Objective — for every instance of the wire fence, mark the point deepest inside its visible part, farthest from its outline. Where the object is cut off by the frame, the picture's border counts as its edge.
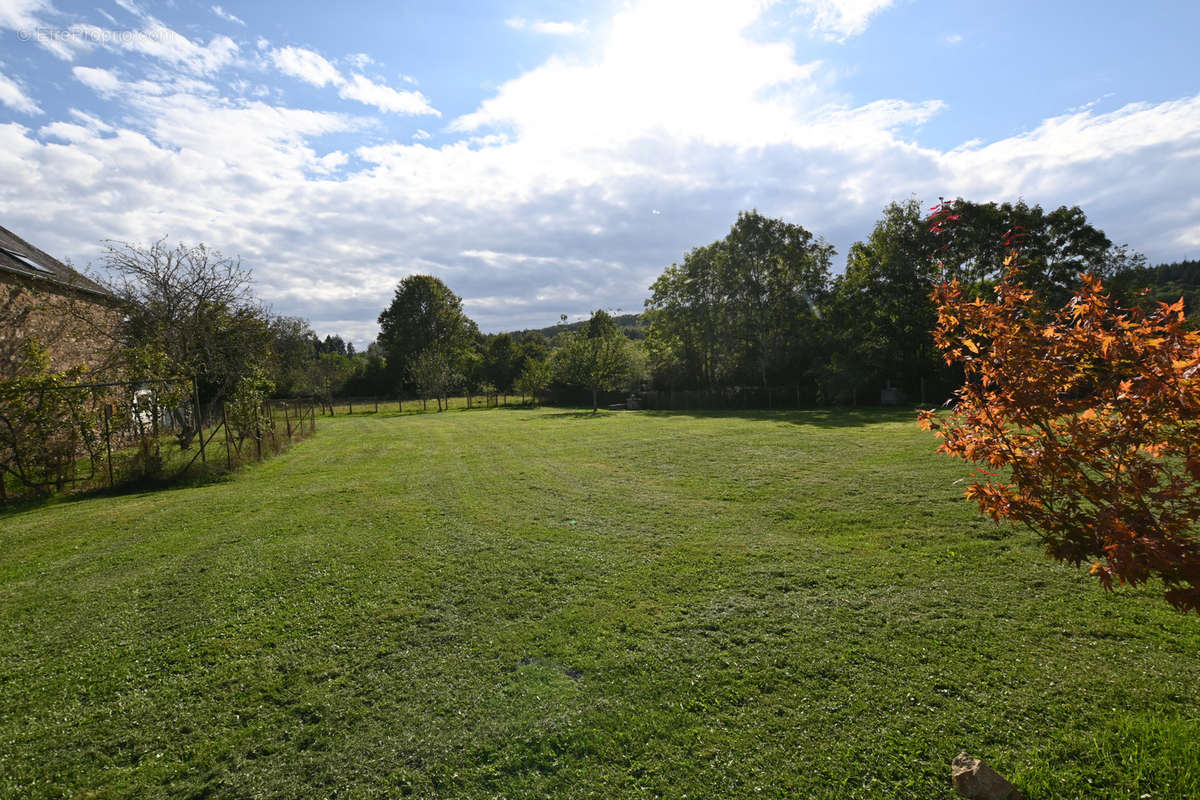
(376, 404)
(57, 438)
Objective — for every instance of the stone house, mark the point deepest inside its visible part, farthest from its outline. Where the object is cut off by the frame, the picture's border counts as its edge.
(40, 297)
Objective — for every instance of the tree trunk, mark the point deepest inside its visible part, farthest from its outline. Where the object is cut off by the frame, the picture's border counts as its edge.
(595, 405)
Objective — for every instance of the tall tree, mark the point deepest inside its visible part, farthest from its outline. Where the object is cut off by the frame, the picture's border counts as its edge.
(881, 315)
(1057, 247)
(742, 309)
(502, 363)
(598, 359)
(424, 313)
(193, 305)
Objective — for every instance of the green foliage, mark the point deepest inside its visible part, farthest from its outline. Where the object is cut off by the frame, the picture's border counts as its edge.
(327, 374)
(44, 424)
(1165, 283)
(534, 377)
(880, 315)
(741, 310)
(632, 325)
(433, 374)
(423, 314)
(1058, 246)
(193, 305)
(502, 362)
(598, 359)
(293, 349)
(246, 406)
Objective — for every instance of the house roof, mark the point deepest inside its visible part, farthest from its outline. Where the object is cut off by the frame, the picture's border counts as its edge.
(19, 257)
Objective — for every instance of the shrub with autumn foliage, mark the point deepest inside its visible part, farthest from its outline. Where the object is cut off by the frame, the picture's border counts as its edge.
(1085, 422)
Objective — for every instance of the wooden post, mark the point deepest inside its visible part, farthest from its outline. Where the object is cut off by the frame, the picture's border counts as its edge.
(199, 418)
(228, 439)
(108, 442)
(377, 404)
(287, 421)
(270, 409)
(350, 401)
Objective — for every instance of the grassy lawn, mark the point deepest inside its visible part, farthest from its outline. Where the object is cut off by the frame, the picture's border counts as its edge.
(515, 603)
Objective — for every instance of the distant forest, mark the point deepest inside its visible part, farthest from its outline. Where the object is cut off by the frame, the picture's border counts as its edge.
(1166, 283)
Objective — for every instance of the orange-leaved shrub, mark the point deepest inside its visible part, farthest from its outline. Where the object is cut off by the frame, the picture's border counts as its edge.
(1085, 424)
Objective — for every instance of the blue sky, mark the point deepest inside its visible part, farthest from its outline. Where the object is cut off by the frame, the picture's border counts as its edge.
(554, 157)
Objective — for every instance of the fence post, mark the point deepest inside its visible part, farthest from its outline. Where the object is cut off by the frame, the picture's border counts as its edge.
(288, 421)
(258, 434)
(107, 442)
(351, 402)
(199, 419)
(228, 441)
(271, 426)
(376, 404)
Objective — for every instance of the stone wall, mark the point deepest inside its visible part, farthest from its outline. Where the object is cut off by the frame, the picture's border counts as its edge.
(76, 327)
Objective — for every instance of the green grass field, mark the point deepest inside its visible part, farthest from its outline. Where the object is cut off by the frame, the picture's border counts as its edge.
(542, 603)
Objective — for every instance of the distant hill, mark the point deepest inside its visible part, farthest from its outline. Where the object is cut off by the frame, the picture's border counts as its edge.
(630, 324)
(1166, 282)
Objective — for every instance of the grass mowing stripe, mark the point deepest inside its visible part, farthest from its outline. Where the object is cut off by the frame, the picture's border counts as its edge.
(525, 603)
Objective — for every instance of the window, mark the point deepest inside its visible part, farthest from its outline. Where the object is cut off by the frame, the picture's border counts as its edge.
(25, 261)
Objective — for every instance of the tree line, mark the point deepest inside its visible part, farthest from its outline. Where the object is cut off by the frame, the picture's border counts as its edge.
(760, 307)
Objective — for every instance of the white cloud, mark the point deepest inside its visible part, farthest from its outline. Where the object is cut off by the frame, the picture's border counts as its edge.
(158, 41)
(841, 19)
(225, 15)
(422, 134)
(545, 26)
(313, 68)
(28, 19)
(953, 39)
(385, 98)
(67, 131)
(90, 121)
(359, 60)
(306, 65)
(554, 197)
(331, 162)
(666, 70)
(97, 79)
(22, 15)
(131, 7)
(13, 96)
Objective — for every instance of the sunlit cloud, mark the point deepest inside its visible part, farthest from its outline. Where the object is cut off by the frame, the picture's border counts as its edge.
(568, 187)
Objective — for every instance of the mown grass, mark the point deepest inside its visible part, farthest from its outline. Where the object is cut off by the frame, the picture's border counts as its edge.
(543, 603)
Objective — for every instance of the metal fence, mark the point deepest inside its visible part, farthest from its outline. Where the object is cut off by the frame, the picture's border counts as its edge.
(57, 437)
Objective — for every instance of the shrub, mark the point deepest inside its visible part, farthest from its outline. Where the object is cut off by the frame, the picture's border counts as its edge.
(1085, 421)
